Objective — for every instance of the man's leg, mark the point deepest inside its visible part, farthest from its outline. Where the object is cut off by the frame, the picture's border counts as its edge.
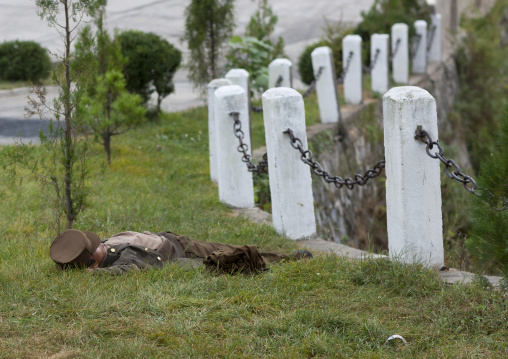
(195, 248)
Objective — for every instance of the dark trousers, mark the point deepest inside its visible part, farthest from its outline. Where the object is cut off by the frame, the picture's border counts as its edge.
(227, 257)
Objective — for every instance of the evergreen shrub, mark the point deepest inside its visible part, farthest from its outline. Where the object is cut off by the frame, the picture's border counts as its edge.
(489, 240)
(383, 14)
(482, 66)
(305, 62)
(334, 33)
(24, 61)
(208, 26)
(151, 64)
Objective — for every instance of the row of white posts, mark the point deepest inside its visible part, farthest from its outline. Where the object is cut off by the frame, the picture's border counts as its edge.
(413, 189)
(413, 192)
(324, 69)
(424, 48)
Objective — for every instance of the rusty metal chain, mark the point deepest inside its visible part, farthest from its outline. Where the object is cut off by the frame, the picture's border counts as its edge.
(312, 85)
(262, 167)
(423, 136)
(430, 37)
(367, 69)
(397, 46)
(415, 45)
(257, 109)
(340, 79)
(278, 83)
(307, 157)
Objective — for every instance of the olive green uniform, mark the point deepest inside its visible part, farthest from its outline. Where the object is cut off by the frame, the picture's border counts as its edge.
(175, 248)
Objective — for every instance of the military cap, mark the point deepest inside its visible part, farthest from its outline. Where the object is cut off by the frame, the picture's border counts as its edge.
(74, 247)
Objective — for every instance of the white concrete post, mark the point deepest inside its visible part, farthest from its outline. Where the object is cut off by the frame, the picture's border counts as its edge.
(380, 74)
(435, 36)
(235, 182)
(420, 52)
(400, 61)
(290, 181)
(212, 141)
(353, 89)
(326, 89)
(413, 184)
(282, 68)
(241, 77)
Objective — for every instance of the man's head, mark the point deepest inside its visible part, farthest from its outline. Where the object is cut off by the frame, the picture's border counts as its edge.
(97, 256)
(74, 248)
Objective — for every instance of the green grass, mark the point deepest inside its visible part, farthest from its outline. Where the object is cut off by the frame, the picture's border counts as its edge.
(324, 307)
(10, 85)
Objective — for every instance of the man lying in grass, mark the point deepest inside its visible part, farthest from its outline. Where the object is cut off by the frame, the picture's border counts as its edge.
(128, 251)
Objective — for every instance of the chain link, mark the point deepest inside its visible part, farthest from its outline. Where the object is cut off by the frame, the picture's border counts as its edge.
(307, 157)
(431, 35)
(340, 79)
(416, 44)
(397, 46)
(372, 65)
(262, 167)
(312, 85)
(367, 69)
(423, 136)
(257, 109)
(278, 83)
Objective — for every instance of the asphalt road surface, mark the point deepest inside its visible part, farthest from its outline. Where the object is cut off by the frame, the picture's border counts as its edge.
(300, 23)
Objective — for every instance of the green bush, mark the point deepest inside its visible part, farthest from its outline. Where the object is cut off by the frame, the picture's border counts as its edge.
(255, 50)
(23, 61)
(334, 33)
(383, 14)
(151, 64)
(261, 26)
(305, 63)
(252, 55)
(482, 65)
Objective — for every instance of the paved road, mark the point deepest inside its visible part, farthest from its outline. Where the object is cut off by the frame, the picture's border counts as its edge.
(300, 22)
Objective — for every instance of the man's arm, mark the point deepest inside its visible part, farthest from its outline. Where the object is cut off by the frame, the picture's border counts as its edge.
(125, 258)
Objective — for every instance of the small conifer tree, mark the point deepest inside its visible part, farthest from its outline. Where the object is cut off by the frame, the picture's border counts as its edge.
(208, 26)
(65, 169)
(110, 110)
(489, 241)
(261, 26)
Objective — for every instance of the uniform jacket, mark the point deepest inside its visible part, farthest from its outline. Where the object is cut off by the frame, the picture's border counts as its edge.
(229, 258)
(127, 257)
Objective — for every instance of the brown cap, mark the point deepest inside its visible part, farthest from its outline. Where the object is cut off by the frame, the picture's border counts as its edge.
(74, 247)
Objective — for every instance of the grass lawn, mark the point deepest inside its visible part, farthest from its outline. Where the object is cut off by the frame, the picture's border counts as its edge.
(326, 307)
(11, 85)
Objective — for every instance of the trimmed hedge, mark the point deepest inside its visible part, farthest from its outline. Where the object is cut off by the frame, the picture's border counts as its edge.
(305, 63)
(24, 61)
(151, 63)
